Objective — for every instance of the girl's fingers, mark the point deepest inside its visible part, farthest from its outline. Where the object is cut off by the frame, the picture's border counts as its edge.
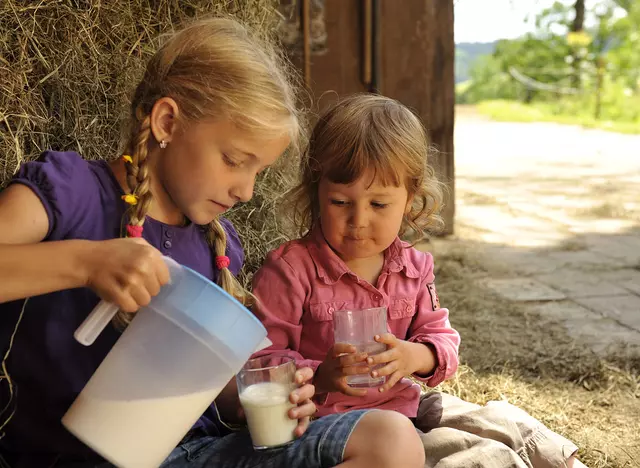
(347, 390)
(152, 284)
(306, 409)
(140, 295)
(391, 381)
(351, 359)
(384, 357)
(302, 394)
(125, 302)
(387, 338)
(302, 426)
(162, 272)
(386, 370)
(356, 370)
(342, 348)
(303, 375)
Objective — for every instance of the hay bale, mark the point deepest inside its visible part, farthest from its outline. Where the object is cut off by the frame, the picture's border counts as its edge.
(67, 69)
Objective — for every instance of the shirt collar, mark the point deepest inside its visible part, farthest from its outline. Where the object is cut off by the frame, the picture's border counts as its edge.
(330, 267)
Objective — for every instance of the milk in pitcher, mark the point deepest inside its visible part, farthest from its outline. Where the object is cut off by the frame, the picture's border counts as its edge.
(136, 433)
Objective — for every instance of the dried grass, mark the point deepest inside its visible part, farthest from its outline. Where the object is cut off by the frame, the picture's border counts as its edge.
(260, 224)
(511, 353)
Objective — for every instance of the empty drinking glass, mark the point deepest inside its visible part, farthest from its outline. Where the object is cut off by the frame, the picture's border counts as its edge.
(357, 328)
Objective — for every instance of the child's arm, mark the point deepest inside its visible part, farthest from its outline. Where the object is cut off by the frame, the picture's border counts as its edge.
(28, 268)
(430, 326)
(34, 269)
(124, 271)
(280, 297)
(429, 350)
(281, 294)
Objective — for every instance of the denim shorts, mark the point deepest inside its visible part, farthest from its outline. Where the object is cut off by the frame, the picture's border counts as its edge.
(321, 446)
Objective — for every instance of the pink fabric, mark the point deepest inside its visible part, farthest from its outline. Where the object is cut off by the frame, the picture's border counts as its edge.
(222, 261)
(303, 282)
(134, 231)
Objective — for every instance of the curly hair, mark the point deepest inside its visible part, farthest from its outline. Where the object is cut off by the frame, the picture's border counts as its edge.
(368, 131)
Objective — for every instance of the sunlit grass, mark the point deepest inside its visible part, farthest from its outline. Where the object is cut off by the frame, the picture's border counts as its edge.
(513, 111)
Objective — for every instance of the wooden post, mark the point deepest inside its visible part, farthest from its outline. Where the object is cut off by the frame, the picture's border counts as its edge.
(599, 82)
(418, 53)
(338, 72)
(577, 26)
(306, 41)
(367, 44)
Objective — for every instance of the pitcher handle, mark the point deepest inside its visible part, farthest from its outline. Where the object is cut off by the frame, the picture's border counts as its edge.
(104, 312)
(95, 322)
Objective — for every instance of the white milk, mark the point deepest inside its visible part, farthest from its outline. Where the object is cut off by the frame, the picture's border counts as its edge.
(136, 433)
(266, 406)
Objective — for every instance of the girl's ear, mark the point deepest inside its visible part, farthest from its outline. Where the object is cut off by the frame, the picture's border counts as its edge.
(407, 208)
(164, 118)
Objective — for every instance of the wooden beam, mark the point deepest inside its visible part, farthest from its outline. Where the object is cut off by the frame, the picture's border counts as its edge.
(367, 44)
(418, 53)
(338, 72)
(306, 41)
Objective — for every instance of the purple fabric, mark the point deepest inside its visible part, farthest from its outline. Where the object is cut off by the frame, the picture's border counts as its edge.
(49, 368)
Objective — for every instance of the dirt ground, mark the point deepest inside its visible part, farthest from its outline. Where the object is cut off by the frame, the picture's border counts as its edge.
(511, 353)
(542, 279)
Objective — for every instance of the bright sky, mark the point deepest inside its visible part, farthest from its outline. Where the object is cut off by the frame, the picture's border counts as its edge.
(488, 20)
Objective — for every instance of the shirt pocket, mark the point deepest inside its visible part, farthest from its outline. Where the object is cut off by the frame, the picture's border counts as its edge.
(323, 311)
(402, 308)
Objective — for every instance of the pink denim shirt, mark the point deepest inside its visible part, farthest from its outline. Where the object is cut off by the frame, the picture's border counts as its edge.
(303, 282)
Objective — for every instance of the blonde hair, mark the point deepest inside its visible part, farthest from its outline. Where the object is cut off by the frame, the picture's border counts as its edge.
(213, 69)
(368, 131)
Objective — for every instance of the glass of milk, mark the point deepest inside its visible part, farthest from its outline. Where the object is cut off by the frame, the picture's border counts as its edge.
(357, 328)
(264, 386)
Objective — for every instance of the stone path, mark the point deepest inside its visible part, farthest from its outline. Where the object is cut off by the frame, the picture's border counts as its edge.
(555, 210)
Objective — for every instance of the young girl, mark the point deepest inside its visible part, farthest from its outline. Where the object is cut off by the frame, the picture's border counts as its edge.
(364, 182)
(213, 110)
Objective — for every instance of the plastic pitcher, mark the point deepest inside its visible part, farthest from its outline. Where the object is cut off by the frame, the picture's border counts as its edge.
(168, 366)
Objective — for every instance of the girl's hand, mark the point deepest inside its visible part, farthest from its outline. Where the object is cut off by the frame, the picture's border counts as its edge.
(126, 272)
(401, 359)
(302, 396)
(340, 362)
(231, 411)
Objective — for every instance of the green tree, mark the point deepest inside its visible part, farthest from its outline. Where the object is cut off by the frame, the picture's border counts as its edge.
(570, 51)
(624, 58)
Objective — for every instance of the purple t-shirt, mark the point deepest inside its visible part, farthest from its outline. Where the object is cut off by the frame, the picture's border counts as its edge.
(49, 368)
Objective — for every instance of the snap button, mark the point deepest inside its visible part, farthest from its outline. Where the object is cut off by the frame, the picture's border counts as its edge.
(331, 310)
(167, 244)
(168, 233)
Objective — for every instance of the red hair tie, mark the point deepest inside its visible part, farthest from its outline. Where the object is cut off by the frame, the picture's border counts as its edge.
(222, 261)
(134, 231)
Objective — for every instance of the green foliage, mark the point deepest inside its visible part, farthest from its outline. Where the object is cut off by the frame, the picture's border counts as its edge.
(467, 53)
(488, 81)
(564, 111)
(594, 74)
(624, 60)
